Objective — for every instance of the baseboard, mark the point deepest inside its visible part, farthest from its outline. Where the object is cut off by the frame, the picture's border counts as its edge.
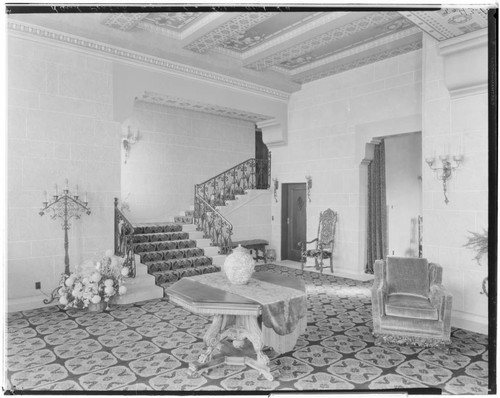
(362, 277)
(473, 323)
(27, 303)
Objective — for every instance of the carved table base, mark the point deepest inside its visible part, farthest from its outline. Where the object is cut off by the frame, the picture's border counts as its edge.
(236, 328)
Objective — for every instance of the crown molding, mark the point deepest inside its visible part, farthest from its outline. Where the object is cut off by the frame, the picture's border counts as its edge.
(94, 47)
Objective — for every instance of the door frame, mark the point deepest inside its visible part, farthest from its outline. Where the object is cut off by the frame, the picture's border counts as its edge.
(284, 216)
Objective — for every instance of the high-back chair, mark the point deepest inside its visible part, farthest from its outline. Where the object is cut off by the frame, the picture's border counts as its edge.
(409, 303)
(325, 242)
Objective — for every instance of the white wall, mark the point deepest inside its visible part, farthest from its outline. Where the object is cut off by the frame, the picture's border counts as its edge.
(456, 123)
(330, 122)
(59, 126)
(403, 169)
(177, 149)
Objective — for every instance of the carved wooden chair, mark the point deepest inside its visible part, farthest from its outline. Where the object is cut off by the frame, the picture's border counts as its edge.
(325, 242)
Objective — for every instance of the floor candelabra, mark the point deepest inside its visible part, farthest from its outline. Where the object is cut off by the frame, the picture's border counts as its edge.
(65, 206)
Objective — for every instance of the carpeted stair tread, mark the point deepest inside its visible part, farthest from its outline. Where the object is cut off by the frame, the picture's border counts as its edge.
(177, 263)
(160, 236)
(164, 245)
(170, 254)
(148, 228)
(183, 219)
(175, 275)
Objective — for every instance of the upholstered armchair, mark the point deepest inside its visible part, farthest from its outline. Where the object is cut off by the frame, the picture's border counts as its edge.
(409, 303)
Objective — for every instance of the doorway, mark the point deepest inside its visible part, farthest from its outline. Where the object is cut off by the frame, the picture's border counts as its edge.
(293, 220)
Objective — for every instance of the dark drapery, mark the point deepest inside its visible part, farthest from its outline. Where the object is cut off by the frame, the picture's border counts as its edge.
(377, 215)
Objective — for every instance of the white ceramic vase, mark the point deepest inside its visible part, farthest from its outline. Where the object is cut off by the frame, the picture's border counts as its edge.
(239, 266)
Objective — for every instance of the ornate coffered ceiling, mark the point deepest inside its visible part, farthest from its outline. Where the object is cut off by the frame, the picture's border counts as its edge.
(276, 49)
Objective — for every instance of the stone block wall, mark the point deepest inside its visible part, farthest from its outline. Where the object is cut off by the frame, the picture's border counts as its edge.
(59, 126)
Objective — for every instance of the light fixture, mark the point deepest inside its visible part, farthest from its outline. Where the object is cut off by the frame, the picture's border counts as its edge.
(309, 186)
(130, 137)
(444, 172)
(276, 186)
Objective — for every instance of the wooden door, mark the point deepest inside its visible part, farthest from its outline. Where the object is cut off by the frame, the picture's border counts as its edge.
(293, 220)
(261, 169)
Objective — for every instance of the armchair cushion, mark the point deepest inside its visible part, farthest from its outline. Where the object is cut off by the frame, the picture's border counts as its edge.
(408, 275)
(410, 306)
(325, 253)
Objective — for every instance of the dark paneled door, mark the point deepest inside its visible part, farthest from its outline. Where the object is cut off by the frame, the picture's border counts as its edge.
(293, 220)
(261, 153)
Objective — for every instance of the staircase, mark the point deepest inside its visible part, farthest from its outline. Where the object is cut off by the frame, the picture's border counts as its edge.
(160, 254)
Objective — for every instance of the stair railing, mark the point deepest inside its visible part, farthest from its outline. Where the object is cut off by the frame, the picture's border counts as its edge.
(250, 174)
(214, 225)
(124, 245)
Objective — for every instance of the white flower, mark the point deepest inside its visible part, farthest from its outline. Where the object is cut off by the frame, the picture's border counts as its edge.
(122, 290)
(85, 281)
(69, 282)
(96, 299)
(98, 265)
(95, 277)
(78, 286)
(61, 291)
(63, 300)
(108, 253)
(125, 271)
(108, 283)
(114, 262)
(109, 290)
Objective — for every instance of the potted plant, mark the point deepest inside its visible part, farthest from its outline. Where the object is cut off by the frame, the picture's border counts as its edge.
(479, 243)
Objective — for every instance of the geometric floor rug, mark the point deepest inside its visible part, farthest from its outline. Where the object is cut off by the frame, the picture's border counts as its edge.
(147, 346)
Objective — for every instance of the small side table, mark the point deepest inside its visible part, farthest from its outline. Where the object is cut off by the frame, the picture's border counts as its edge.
(254, 244)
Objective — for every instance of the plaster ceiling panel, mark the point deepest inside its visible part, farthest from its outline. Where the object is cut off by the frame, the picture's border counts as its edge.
(347, 42)
(449, 22)
(266, 30)
(177, 21)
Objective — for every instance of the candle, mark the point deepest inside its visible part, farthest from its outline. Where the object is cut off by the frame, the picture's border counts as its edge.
(76, 190)
(45, 196)
(66, 184)
(55, 190)
(86, 201)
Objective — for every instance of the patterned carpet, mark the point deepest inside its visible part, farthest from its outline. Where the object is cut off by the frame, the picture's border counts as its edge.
(148, 345)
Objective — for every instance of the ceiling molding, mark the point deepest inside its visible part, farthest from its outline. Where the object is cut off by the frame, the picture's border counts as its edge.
(184, 103)
(350, 52)
(361, 62)
(92, 47)
(323, 39)
(236, 25)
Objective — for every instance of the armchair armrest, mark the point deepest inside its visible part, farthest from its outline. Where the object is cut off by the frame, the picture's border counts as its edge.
(442, 300)
(303, 244)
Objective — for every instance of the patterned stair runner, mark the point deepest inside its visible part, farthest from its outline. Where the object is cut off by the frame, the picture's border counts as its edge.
(169, 253)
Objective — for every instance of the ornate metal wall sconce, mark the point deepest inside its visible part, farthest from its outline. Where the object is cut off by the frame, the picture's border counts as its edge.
(276, 186)
(128, 140)
(444, 173)
(309, 186)
(66, 207)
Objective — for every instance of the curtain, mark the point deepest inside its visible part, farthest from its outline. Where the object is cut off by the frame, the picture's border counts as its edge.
(377, 212)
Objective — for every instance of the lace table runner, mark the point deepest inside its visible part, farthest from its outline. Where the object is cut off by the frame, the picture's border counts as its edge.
(284, 308)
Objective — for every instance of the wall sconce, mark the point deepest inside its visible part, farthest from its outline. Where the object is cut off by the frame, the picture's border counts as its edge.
(129, 139)
(444, 173)
(276, 186)
(309, 186)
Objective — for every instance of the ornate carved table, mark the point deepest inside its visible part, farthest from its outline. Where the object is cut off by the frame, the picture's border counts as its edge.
(270, 311)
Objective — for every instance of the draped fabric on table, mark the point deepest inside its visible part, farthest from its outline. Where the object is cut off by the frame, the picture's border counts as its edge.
(377, 212)
(283, 300)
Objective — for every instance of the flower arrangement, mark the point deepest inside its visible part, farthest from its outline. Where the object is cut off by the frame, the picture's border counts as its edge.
(94, 282)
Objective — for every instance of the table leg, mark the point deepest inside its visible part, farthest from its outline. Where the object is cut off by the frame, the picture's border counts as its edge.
(212, 339)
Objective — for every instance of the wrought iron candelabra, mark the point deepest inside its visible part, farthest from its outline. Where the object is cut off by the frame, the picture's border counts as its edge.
(65, 206)
(444, 172)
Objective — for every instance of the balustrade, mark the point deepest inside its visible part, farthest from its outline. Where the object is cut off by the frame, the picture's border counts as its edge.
(124, 244)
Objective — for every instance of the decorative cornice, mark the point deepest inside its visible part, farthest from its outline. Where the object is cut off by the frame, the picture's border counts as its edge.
(93, 46)
(184, 103)
(123, 21)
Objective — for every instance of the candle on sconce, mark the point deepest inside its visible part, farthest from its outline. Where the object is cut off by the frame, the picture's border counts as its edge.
(76, 191)
(55, 190)
(66, 185)
(86, 201)
(45, 199)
